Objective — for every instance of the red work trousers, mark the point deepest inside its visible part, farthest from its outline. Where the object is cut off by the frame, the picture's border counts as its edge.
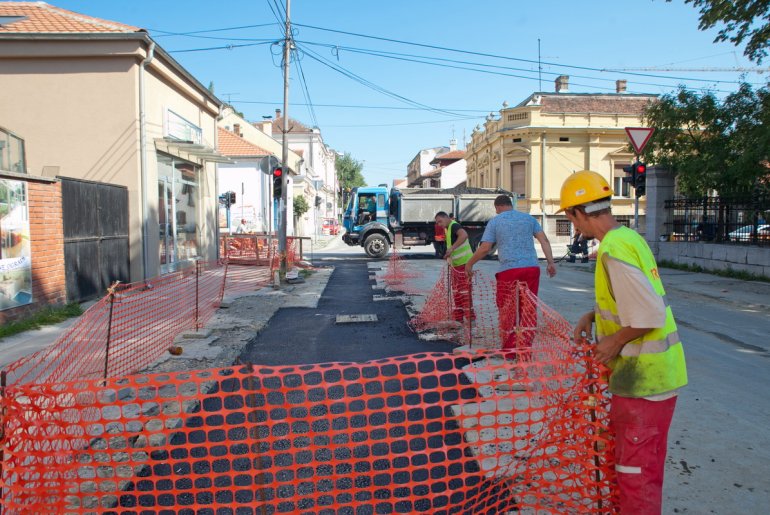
(512, 318)
(461, 294)
(641, 435)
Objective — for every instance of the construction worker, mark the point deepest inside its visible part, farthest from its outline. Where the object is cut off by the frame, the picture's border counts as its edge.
(636, 337)
(514, 233)
(458, 252)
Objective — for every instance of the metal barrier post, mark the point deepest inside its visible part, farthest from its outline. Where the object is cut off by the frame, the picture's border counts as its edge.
(197, 275)
(111, 292)
(471, 314)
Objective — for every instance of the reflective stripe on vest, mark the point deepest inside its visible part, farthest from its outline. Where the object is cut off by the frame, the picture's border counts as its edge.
(461, 254)
(654, 363)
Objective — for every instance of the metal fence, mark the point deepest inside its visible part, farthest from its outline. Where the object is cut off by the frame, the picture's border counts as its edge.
(740, 221)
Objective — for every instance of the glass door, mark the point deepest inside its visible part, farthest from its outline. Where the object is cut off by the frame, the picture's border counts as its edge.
(167, 225)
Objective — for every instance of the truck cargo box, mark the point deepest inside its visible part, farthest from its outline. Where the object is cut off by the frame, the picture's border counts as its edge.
(475, 208)
(421, 208)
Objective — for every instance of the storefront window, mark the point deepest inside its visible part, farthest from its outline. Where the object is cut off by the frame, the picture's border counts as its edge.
(15, 254)
(178, 202)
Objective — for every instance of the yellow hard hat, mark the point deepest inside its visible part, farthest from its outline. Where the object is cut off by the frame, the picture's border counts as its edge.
(582, 188)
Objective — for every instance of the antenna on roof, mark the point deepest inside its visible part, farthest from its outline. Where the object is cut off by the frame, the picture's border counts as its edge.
(539, 68)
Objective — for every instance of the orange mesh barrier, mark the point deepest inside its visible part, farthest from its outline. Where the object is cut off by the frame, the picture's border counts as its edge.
(419, 434)
(130, 328)
(472, 312)
(248, 248)
(400, 275)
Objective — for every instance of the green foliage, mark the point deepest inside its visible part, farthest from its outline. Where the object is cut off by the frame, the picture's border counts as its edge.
(349, 172)
(711, 144)
(300, 206)
(741, 20)
(46, 316)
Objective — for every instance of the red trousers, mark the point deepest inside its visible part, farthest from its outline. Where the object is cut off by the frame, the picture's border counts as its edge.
(461, 294)
(512, 317)
(641, 435)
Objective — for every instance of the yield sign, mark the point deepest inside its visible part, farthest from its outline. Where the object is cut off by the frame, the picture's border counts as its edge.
(639, 137)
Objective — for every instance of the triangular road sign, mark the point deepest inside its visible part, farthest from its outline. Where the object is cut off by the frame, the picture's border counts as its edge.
(639, 137)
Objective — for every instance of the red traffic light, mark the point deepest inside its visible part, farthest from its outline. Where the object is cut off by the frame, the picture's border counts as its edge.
(277, 172)
(641, 168)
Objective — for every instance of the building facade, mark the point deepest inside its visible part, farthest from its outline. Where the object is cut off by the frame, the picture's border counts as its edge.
(319, 172)
(420, 165)
(531, 148)
(101, 101)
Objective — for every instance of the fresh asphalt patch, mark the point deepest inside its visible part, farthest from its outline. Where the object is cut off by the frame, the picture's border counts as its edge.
(300, 336)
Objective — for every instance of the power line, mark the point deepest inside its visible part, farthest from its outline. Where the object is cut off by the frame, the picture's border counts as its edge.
(386, 54)
(165, 33)
(305, 90)
(345, 106)
(496, 56)
(462, 118)
(339, 69)
(225, 47)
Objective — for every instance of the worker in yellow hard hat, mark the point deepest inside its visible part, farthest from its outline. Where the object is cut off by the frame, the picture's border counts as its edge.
(636, 337)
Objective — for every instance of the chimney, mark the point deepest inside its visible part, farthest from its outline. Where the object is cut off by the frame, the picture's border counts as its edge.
(562, 84)
(277, 113)
(452, 145)
(265, 126)
(237, 129)
(620, 86)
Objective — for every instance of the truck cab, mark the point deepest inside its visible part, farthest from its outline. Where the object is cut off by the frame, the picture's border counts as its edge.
(366, 220)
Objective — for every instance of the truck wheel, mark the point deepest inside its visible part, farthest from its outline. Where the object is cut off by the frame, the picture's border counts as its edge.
(376, 246)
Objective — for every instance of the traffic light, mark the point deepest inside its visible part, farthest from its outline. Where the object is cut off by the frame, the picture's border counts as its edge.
(277, 182)
(231, 197)
(224, 199)
(629, 179)
(640, 178)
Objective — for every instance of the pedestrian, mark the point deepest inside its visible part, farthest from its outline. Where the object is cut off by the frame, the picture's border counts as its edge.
(242, 228)
(439, 241)
(458, 252)
(513, 232)
(636, 338)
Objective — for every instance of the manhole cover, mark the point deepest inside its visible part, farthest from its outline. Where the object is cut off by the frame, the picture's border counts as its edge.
(351, 319)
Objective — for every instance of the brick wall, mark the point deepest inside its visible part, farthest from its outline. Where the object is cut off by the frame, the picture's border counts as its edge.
(46, 234)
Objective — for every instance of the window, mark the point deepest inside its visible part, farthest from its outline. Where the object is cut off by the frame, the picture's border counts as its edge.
(563, 138)
(562, 227)
(11, 153)
(178, 201)
(381, 201)
(518, 178)
(481, 181)
(620, 188)
(518, 116)
(517, 140)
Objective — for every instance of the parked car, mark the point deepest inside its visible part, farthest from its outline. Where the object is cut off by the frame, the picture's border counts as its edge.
(746, 233)
(331, 226)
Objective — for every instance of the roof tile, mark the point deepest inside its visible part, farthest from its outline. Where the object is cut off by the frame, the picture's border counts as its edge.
(232, 145)
(40, 17)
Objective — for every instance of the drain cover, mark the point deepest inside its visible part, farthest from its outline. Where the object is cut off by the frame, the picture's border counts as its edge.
(351, 319)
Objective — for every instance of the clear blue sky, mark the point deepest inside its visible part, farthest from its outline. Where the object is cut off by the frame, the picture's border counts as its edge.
(596, 34)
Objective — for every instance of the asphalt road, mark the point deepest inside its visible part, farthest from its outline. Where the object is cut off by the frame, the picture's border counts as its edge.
(301, 335)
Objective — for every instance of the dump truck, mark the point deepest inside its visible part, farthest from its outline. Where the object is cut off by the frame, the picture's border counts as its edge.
(377, 218)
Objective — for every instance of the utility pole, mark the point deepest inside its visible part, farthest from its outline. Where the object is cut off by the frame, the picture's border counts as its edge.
(287, 43)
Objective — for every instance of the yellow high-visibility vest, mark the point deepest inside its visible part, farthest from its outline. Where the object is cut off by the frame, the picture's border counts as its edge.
(461, 254)
(654, 363)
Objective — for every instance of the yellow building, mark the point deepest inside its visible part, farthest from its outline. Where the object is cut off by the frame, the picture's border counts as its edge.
(531, 148)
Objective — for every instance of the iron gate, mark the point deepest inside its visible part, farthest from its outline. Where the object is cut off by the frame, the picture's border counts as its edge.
(96, 248)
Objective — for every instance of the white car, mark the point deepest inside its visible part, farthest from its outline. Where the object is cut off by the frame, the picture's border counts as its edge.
(746, 233)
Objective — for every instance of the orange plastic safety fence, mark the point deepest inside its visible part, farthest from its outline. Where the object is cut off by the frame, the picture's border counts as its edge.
(129, 329)
(400, 275)
(248, 249)
(432, 433)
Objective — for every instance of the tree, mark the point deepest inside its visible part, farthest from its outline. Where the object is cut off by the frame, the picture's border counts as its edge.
(300, 206)
(349, 172)
(743, 20)
(710, 144)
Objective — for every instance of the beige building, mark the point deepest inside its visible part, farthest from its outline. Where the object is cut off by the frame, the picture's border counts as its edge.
(99, 100)
(532, 148)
